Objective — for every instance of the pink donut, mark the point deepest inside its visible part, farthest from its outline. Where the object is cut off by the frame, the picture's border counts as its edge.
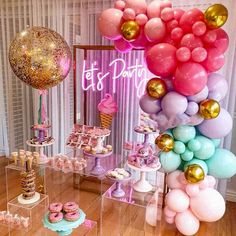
(70, 207)
(55, 217)
(55, 207)
(72, 216)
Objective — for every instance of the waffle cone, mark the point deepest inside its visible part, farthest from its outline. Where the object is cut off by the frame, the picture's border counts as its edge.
(106, 120)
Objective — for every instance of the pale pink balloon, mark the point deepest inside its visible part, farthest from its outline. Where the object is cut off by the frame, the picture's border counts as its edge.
(129, 14)
(191, 41)
(119, 5)
(172, 24)
(192, 190)
(170, 220)
(199, 28)
(182, 179)
(109, 23)
(141, 19)
(211, 181)
(183, 54)
(208, 205)
(187, 223)
(214, 61)
(141, 42)
(168, 212)
(167, 14)
(189, 18)
(161, 59)
(190, 78)
(172, 180)
(178, 13)
(204, 184)
(165, 4)
(139, 6)
(122, 45)
(177, 34)
(155, 29)
(222, 40)
(177, 200)
(209, 37)
(153, 9)
(199, 54)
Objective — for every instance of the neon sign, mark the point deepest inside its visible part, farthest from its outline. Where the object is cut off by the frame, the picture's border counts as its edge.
(93, 77)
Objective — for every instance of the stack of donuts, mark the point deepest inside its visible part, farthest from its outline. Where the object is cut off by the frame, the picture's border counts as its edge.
(69, 212)
(28, 184)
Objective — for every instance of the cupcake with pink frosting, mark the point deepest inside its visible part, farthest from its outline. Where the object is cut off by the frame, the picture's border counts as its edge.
(107, 108)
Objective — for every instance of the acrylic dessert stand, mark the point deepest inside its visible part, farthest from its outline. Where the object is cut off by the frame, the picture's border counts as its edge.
(64, 227)
(34, 199)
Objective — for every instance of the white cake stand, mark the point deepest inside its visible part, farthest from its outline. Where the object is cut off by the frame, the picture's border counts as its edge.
(142, 185)
(43, 157)
(34, 199)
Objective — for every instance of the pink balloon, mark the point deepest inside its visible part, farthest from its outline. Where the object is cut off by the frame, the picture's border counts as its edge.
(177, 200)
(122, 45)
(209, 37)
(208, 205)
(153, 9)
(199, 28)
(178, 13)
(119, 5)
(214, 61)
(191, 41)
(187, 223)
(177, 34)
(192, 190)
(189, 18)
(204, 184)
(165, 4)
(155, 29)
(211, 181)
(171, 25)
(139, 6)
(109, 23)
(199, 54)
(172, 180)
(141, 42)
(182, 179)
(168, 212)
(170, 41)
(141, 19)
(170, 220)
(129, 14)
(222, 40)
(167, 14)
(161, 59)
(183, 54)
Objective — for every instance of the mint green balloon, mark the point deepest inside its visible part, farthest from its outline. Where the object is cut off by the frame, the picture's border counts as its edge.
(207, 148)
(170, 161)
(184, 133)
(198, 162)
(194, 145)
(222, 164)
(179, 147)
(187, 155)
(216, 142)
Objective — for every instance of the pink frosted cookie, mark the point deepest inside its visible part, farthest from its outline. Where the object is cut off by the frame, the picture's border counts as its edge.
(55, 207)
(72, 216)
(55, 217)
(70, 207)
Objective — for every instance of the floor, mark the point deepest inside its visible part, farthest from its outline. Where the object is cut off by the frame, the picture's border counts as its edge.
(118, 218)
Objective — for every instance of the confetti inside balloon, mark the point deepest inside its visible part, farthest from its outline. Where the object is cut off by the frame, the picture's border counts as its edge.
(156, 88)
(194, 174)
(216, 16)
(209, 109)
(130, 30)
(165, 142)
(40, 57)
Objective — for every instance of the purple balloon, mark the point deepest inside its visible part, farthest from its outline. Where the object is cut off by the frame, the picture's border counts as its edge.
(174, 104)
(217, 86)
(149, 105)
(218, 127)
(192, 108)
(199, 96)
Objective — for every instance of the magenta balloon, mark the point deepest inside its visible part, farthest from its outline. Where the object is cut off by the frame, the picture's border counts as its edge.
(183, 54)
(199, 28)
(149, 105)
(161, 59)
(141, 19)
(190, 78)
(214, 61)
(153, 9)
(155, 29)
(192, 108)
(139, 6)
(141, 42)
(167, 14)
(170, 41)
(222, 40)
(177, 33)
(189, 18)
(109, 23)
(129, 14)
(218, 127)
(199, 54)
(178, 13)
(122, 45)
(191, 41)
(217, 86)
(202, 95)
(209, 37)
(174, 104)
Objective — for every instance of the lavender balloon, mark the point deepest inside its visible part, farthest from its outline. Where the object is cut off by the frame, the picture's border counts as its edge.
(149, 105)
(199, 96)
(192, 108)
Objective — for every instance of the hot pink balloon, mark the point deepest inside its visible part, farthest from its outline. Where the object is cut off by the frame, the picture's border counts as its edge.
(208, 205)
(214, 61)
(183, 54)
(141, 42)
(177, 33)
(141, 19)
(119, 5)
(222, 40)
(192, 190)
(129, 14)
(209, 37)
(191, 41)
(139, 6)
(167, 14)
(153, 9)
(199, 54)
(170, 41)
(109, 23)
(168, 212)
(187, 223)
(189, 18)
(171, 25)
(190, 78)
(199, 28)
(161, 59)
(155, 29)
(172, 180)
(178, 13)
(122, 45)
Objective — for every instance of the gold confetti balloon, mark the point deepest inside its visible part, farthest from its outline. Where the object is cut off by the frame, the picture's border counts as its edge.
(156, 88)
(209, 109)
(40, 57)
(216, 16)
(194, 173)
(165, 142)
(130, 30)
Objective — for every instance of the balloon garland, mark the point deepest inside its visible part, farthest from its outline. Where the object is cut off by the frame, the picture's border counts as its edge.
(183, 49)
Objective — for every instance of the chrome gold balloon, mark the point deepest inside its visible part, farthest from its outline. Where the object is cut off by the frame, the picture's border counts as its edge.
(194, 173)
(165, 142)
(130, 30)
(40, 57)
(156, 88)
(216, 16)
(209, 109)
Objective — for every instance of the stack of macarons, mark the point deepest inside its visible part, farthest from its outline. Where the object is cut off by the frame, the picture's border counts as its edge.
(69, 211)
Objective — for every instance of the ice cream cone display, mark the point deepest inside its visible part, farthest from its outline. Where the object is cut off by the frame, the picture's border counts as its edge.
(14, 156)
(107, 108)
(20, 158)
